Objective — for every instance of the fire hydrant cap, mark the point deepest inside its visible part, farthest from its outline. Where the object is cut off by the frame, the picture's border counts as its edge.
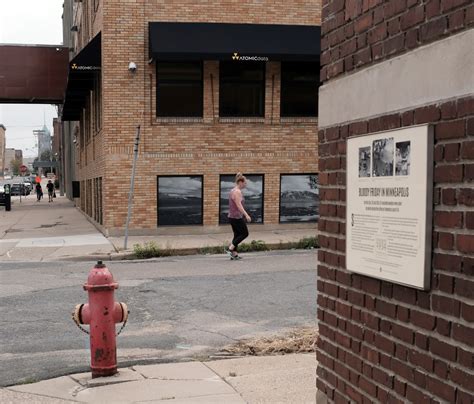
(100, 277)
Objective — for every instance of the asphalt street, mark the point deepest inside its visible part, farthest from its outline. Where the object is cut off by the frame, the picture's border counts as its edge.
(181, 308)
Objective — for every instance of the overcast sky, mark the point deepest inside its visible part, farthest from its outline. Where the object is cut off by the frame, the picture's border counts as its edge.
(29, 22)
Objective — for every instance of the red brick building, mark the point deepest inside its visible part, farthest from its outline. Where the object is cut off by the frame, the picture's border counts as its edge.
(388, 65)
(219, 87)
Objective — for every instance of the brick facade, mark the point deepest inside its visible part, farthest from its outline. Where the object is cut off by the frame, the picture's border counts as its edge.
(382, 342)
(359, 33)
(208, 146)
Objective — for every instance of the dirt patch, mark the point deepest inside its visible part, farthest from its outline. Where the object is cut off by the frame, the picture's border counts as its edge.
(301, 340)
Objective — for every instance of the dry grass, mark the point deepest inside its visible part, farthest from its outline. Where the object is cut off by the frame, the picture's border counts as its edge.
(301, 340)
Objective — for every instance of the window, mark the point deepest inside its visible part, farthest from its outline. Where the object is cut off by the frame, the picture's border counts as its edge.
(179, 89)
(299, 89)
(253, 195)
(179, 200)
(242, 89)
(97, 102)
(299, 198)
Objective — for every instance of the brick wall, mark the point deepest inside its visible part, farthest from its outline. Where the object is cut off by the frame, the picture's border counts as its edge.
(382, 342)
(358, 33)
(210, 146)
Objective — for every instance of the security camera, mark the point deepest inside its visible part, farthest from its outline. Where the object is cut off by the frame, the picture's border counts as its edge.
(132, 67)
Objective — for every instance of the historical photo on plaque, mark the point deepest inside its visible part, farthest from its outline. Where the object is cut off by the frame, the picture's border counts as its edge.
(364, 162)
(299, 198)
(179, 200)
(382, 157)
(402, 158)
(253, 194)
(389, 213)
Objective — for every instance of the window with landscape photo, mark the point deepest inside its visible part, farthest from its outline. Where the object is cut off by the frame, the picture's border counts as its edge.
(179, 201)
(299, 198)
(253, 195)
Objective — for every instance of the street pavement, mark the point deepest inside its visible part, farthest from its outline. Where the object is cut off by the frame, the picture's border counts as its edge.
(182, 308)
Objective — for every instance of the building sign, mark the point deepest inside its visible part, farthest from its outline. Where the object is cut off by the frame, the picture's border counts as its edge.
(244, 58)
(389, 205)
(75, 66)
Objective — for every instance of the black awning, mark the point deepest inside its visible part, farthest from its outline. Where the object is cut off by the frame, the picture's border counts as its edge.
(82, 70)
(240, 42)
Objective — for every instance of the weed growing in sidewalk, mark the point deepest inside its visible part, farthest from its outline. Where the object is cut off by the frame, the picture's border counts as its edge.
(150, 250)
(254, 245)
(217, 249)
(305, 243)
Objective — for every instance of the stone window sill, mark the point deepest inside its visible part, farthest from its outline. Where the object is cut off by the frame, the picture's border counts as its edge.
(179, 120)
(298, 120)
(241, 120)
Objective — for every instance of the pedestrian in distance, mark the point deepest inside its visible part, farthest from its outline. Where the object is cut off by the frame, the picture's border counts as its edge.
(238, 216)
(50, 187)
(39, 192)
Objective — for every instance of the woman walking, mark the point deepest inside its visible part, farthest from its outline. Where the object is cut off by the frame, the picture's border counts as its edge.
(39, 191)
(237, 216)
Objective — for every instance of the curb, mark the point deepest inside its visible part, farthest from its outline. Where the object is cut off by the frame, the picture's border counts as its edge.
(174, 252)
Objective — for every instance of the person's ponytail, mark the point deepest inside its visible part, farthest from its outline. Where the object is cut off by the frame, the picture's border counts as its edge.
(239, 177)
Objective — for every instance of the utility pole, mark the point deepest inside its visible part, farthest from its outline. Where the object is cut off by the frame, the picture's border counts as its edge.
(132, 185)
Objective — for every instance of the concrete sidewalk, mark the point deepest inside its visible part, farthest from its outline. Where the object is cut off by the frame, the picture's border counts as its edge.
(271, 379)
(196, 242)
(43, 231)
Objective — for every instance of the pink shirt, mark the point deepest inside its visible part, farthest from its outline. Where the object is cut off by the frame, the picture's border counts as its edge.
(234, 212)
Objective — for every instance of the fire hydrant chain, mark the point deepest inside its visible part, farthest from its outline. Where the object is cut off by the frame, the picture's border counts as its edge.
(76, 321)
(121, 328)
(78, 325)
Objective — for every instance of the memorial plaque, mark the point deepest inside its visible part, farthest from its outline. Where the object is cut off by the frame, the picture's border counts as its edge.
(389, 205)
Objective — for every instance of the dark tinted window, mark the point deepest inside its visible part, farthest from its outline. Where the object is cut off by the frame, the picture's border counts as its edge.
(242, 89)
(299, 89)
(179, 200)
(179, 89)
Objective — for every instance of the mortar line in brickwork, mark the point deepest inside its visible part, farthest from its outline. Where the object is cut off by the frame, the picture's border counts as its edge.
(324, 233)
(390, 372)
(447, 317)
(453, 208)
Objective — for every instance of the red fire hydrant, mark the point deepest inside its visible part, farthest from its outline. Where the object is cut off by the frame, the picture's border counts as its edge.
(101, 313)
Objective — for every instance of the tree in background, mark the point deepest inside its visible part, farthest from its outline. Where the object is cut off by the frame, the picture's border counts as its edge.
(15, 167)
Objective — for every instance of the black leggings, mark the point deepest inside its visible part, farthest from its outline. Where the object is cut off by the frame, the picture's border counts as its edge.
(240, 230)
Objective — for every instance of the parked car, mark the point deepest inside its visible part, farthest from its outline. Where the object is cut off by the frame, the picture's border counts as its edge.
(19, 189)
(28, 185)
